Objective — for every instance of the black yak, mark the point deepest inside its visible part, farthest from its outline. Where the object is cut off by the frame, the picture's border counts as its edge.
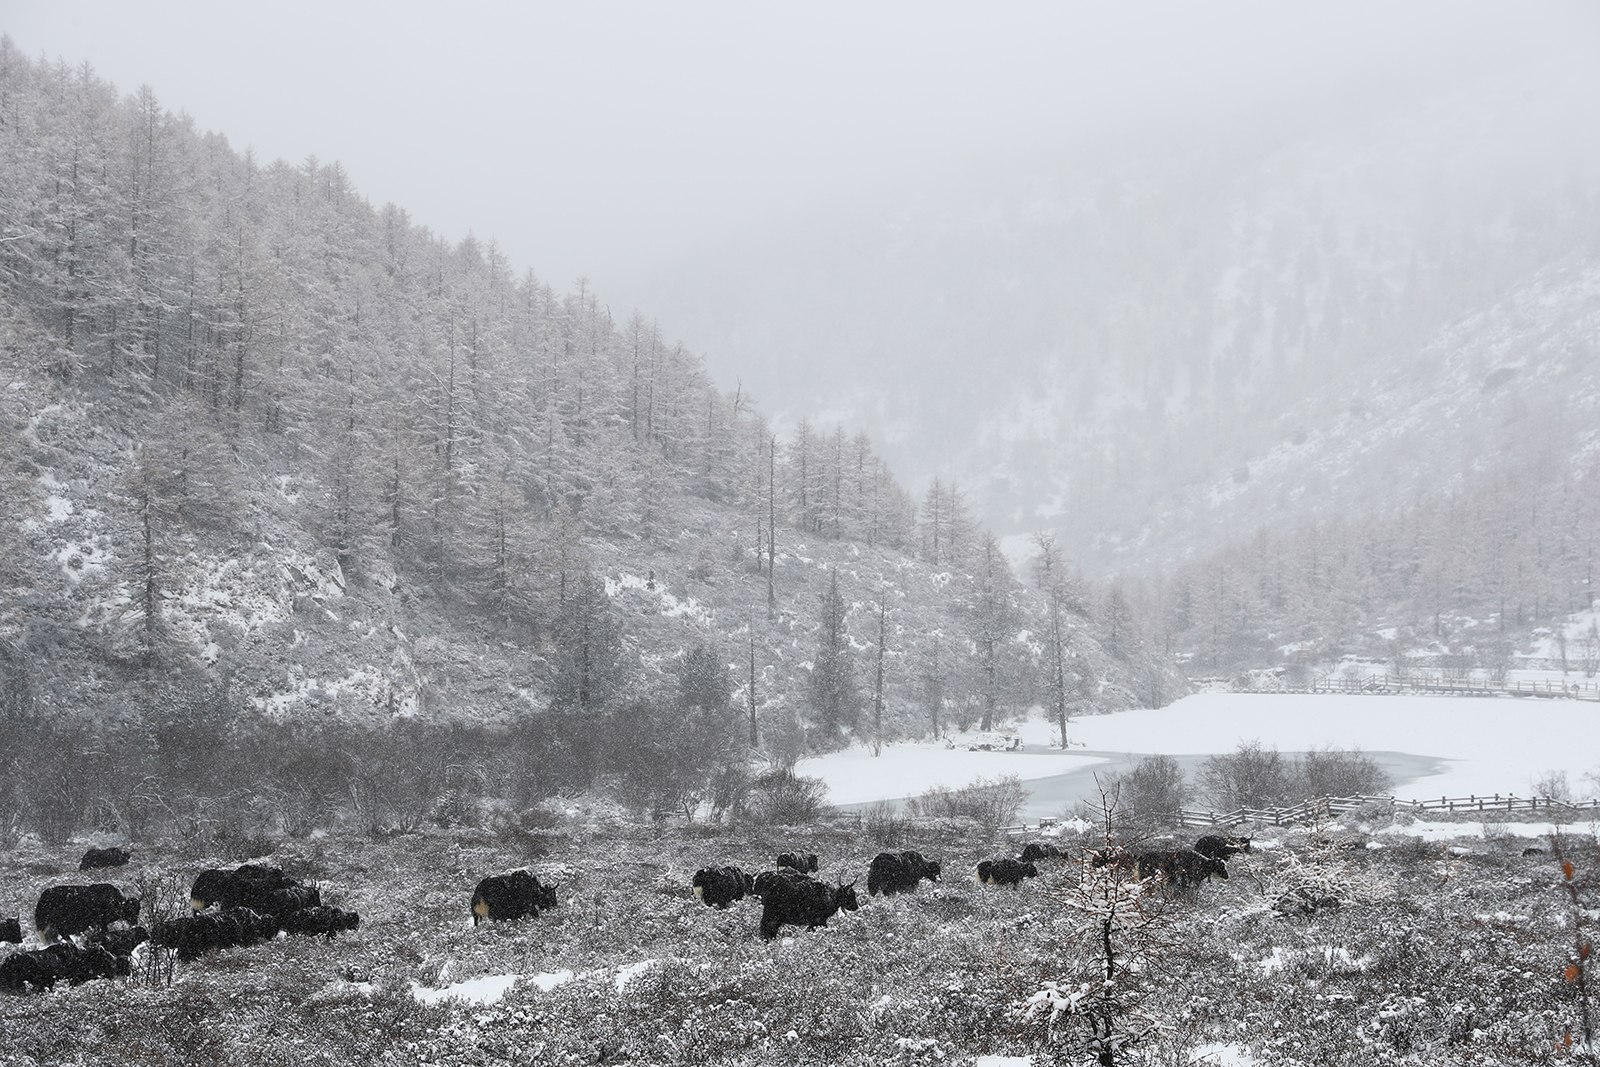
(1183, 867)
(1221, 848)
(804, 862)
(97, 858)
(511, 896)
(64, 910)
(320, 919)
(1006, 872)
(718, 887)
(246, 886)
(42, 968)
(792, 899)
(194, 935)
(899, 872)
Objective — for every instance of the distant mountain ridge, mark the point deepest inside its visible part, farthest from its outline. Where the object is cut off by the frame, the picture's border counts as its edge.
(1158, 351)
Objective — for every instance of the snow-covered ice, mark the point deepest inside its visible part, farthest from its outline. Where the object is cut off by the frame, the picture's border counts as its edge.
(856, 776)
(1482, 745)
(1492, 744)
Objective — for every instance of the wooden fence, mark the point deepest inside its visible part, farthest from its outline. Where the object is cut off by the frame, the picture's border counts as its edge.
(1436, 682)
(1327, 807)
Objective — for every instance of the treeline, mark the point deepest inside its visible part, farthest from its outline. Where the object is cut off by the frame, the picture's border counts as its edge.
(196, 763)
(1464, 575)
(465, 424)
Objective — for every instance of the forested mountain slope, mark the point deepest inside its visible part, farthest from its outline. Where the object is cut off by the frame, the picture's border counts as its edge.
(267, 439)
(1156, 342)
(1502, 411)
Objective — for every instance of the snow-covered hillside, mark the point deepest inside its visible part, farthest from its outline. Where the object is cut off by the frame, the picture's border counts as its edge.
(1157, 344)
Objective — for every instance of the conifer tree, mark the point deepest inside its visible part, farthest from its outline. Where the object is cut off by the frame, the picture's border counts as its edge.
(832, 689)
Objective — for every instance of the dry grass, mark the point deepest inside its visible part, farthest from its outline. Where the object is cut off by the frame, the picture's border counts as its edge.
(1428, 958)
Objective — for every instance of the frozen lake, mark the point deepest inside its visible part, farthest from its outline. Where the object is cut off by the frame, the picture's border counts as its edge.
(1431, 745)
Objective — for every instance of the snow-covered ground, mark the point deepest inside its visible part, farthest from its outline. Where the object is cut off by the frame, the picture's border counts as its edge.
(1466, 745)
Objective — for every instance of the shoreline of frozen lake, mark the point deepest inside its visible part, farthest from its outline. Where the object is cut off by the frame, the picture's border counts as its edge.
(1431, 745)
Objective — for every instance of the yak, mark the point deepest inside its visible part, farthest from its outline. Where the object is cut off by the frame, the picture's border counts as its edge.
(97, 858)
(64, 910)
(320, 919)
(899, 872)
(718, 887)
(1006, 872)
(804, 862)
(1182, 867)
(42, 968)
(792, 899)
(1221, 848)
(511, 896)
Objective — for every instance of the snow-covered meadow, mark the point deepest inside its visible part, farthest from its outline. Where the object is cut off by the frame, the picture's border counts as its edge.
(1461, 745)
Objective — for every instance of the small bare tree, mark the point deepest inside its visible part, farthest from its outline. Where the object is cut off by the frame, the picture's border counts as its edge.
(1120, 922)
(1582, 888)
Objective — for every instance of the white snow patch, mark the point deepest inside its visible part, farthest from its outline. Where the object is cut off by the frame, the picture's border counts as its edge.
(1221, 1055)
(81, 559)
(667, 604)
(548, 980)
(1003, 1061)
(57, 508)
(634, 970)
(485, 990)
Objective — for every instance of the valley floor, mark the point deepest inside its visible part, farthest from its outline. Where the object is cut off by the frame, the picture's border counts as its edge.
(1332, 945)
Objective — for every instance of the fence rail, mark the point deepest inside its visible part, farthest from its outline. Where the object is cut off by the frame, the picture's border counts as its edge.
(1425, 682)
(1327, 807)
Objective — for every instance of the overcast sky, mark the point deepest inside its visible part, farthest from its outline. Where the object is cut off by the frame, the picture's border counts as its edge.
(590, 138)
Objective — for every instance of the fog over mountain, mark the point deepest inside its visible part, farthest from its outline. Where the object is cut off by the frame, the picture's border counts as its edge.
(1154, 341)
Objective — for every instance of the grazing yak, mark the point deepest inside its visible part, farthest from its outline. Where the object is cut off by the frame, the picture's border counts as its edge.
(899, 872)
(1006, 872)
(1181, 867)
(64, 910)
(804, 862)
(319, 919)
(42, 968)
(97, 858)
(194, 935)
(792, 899)
(1115, 858)
(11, 930)
(264, 889)
(120, 943)
(718, 887)
(511, 896)
(1035, 852)
(1221, 848)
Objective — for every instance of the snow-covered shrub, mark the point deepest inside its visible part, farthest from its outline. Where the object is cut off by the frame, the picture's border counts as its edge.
(1332, 772)
(783, 798)
(884, 825)
(991, 803)
(1154, 787)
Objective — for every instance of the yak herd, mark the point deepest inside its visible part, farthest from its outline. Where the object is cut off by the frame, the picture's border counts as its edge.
(239, 907)
(790, 897)
(252, 903)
